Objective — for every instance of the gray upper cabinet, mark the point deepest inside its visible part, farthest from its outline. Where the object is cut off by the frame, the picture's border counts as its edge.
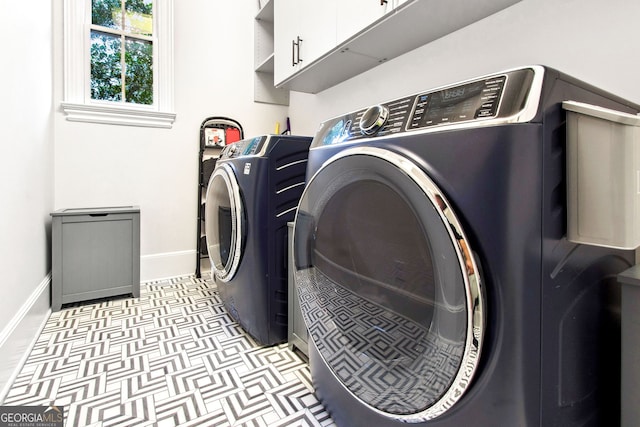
(320, 44)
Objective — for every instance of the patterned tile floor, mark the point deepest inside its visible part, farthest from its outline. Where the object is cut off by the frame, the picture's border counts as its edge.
(172, 357)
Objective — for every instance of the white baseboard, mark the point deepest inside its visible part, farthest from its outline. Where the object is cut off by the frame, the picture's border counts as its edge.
(167, 265)
(19, 336)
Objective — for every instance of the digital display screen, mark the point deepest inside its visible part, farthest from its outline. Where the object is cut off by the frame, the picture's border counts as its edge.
(251, 146)
(471, 101)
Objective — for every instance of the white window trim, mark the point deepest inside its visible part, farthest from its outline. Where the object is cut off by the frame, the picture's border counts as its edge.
(77, 105)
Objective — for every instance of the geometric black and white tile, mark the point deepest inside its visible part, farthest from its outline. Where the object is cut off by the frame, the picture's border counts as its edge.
(172, 357)
(394, 363)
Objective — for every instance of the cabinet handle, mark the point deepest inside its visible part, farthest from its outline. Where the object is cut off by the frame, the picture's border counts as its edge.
(293, 53)
(295, 48)
(383, 2)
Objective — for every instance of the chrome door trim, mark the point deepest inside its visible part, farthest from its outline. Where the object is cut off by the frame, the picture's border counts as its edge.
(225, 171)
(474, 293)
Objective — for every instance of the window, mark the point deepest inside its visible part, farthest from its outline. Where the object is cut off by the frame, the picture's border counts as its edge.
(118, 62)
(122, 51)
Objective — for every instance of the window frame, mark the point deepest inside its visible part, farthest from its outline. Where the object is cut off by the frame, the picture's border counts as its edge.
(78, 105)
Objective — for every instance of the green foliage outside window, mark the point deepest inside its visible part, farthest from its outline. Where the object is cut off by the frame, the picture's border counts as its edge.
(106, 67)
(139, 78)
(121, 25)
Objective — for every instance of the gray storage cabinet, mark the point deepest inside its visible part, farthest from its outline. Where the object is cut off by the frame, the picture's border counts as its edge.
(96, 254)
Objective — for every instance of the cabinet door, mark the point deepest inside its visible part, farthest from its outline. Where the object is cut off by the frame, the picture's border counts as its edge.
(318, 29)
(285, 30)
(355, 15)
(304, 31)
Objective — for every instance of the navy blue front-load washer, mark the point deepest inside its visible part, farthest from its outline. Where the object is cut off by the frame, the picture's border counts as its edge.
(433, 270)
(253, 192)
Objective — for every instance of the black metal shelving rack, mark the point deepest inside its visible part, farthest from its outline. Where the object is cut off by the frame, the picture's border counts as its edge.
(230, 131)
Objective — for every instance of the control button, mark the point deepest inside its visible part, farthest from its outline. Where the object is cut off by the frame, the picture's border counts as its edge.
(373, 119)
(344, 133)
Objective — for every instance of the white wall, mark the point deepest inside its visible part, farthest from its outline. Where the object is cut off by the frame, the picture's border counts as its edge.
(592, 40)
(26, 187)
(108, 165)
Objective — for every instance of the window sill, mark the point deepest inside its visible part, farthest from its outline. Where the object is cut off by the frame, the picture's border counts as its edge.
(116, 115)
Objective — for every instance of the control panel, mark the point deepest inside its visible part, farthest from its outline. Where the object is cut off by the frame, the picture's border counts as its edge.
(477, 100)
(497, 96)
(245, 147)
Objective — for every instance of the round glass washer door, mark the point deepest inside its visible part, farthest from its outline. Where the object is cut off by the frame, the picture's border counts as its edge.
(387, 284)
(224, 223)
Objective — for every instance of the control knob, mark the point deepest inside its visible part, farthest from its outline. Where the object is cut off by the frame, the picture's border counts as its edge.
(373, 119)
(233, 150)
